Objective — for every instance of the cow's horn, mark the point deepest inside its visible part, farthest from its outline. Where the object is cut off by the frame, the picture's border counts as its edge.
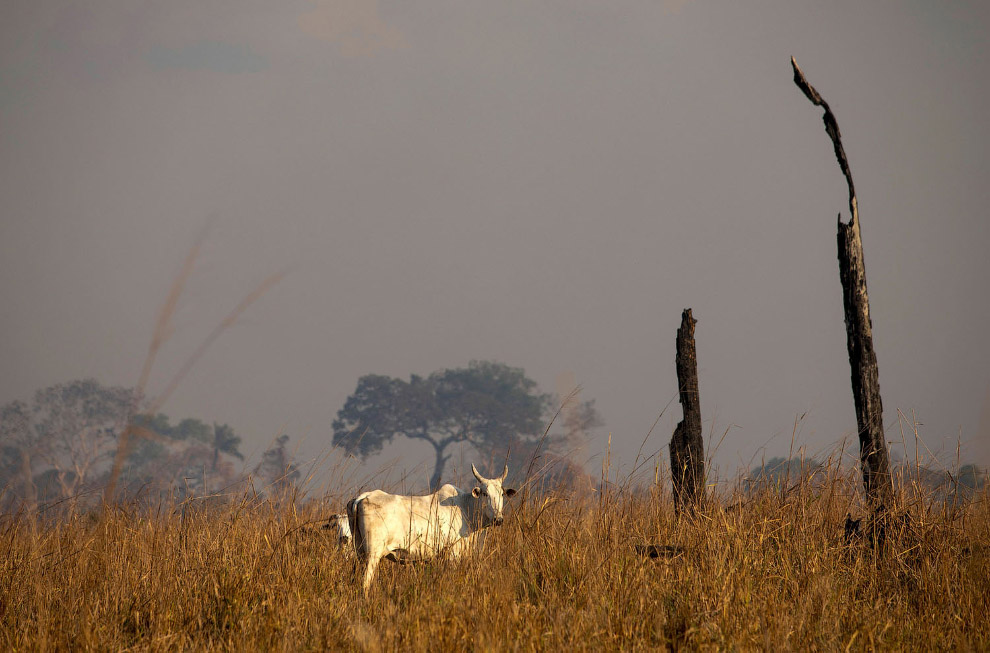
(474, 470)
(505, 472)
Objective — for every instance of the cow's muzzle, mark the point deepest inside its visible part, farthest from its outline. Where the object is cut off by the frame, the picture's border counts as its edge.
(498, 521)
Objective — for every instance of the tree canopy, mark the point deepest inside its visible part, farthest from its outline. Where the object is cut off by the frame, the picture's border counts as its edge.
(493, 407)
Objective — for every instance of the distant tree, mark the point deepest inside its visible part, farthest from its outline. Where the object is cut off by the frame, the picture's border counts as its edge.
(490, 406)
(972, 477)
(63, 442)
(939, 484)
(59, 444)
(547, 460)
(225, 442)
(16, 446)
(776, 471)
(277, 468)
(579, 420)
(193, 455)
(150, 452)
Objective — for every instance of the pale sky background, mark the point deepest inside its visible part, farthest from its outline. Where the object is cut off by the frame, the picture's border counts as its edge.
(546, 184)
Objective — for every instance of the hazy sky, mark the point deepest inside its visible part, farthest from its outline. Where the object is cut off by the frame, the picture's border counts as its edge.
(546, 184)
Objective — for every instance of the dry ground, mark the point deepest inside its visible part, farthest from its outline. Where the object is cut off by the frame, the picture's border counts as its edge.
(771, 572)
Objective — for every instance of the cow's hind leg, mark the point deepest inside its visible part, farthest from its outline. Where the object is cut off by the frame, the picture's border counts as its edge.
(369, 549)
(357, 529)
(369, 572)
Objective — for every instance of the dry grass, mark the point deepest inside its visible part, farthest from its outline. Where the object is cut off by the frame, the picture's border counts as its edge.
(772, 572)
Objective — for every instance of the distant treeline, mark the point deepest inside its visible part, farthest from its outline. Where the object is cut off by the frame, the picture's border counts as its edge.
(939, 484)
(61, 448)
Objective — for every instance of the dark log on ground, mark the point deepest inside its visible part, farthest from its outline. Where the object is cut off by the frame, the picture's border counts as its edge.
(687, 447)
(654, 551)
(873, 456)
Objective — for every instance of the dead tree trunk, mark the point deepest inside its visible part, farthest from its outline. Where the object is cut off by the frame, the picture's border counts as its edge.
(873, 456)
(687, 448)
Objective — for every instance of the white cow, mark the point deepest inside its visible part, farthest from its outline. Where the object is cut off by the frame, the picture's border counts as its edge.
(404, 528)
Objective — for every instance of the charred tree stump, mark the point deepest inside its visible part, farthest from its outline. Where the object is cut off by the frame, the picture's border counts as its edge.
(873, 456)
(687, 448)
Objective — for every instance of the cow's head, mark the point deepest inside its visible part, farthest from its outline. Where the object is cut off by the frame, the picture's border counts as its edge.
(339, 529)
(492, 496)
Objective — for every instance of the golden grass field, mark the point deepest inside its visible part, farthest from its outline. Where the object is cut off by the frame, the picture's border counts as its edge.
(770, 572)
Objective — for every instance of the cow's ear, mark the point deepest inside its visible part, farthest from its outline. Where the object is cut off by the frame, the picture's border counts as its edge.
(476, 492)
(510, 492)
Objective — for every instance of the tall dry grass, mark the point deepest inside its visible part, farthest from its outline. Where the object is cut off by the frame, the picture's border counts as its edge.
(770, 571)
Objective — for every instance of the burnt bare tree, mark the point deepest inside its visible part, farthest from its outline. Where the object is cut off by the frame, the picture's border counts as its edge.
(873, 456)
(687, 447)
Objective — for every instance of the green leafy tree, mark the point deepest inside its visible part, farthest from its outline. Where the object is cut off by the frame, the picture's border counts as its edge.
(488, 405)
(190, 451)
(148, 454)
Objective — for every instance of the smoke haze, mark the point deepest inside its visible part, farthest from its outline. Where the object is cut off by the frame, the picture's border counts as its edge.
(543, 184)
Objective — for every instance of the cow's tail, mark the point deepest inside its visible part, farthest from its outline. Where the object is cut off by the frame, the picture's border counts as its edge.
(355, 519)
